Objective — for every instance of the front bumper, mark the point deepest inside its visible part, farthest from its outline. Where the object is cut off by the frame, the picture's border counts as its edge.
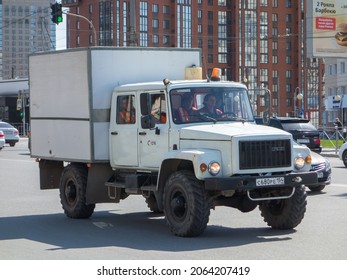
(247, 182)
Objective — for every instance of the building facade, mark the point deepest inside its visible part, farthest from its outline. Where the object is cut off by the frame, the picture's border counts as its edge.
(259, 42)
(25, 28)
(335, 105)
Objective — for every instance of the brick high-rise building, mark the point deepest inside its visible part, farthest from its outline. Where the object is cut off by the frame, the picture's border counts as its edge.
(259, 42)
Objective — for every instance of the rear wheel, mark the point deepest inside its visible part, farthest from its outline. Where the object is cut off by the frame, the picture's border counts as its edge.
(186, 204)
(73, 188)
(285, 213)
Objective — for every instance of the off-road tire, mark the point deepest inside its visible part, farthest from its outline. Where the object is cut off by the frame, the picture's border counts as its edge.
(73, 188)
(317, 188)
(344, 158)
(285, 213)
(186, 204)
(152, 204)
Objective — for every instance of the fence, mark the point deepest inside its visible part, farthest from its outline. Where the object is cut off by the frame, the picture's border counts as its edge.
(19, 126)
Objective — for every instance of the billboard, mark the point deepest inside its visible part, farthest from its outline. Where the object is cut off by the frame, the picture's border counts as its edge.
(326, 23)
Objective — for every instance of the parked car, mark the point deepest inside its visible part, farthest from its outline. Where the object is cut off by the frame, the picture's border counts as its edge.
(322, 166)
(302, 130)
(2, 139)
(343, 153)
(11, 133)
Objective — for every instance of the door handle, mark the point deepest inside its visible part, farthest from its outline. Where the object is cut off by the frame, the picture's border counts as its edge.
(114, 133)
(142, 133)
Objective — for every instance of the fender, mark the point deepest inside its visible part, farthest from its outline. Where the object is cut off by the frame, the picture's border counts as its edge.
(196, 157)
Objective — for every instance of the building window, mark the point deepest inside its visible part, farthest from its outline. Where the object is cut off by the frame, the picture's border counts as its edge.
(155, 23)
(263, 3)
(288, 18)
(288, 3)
(166, 40)
(288, 74)
(274, 4)
(166, 24)
(343, 67)
(155, 8)
(143, 24)
(275, 59)
(210, 15)
(199, 28)
(288, 59)
(275, 17)
(199, 14)
(155, 39)
(184, 24)
(210, 58)
(274, 45)
(288, 102)
(166, 9)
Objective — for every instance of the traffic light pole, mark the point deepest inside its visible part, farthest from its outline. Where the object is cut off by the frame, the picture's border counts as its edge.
(89, 21)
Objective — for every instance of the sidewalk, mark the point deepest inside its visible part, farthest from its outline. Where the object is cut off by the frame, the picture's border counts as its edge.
(329, 152)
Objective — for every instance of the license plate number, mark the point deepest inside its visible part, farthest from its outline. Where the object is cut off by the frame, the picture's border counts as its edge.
(303, 141)
(269, 181)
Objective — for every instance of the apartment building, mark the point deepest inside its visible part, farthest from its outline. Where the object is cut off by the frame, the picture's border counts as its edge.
(25, 28)
(259, 42)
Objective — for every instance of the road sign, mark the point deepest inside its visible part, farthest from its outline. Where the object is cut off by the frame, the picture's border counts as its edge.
(19, 103)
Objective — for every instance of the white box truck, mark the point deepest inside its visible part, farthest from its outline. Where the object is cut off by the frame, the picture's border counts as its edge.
(106, 124)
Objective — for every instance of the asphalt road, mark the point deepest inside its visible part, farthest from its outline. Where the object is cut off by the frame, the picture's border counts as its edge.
(34, 227)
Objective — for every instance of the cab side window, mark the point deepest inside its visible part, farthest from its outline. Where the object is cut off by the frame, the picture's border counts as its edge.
(158, 107)
(126, 109)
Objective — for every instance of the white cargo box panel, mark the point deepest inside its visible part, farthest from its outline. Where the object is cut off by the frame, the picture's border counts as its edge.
(70, 94)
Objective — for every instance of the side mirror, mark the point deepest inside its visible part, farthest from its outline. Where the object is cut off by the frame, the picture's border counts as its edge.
(266, 118)
(147, 121)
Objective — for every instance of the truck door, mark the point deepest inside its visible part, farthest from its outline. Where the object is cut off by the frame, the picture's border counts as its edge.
(154, 143)
(124, 131)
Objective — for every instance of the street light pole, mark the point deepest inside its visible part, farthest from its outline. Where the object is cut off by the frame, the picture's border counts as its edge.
(297, 97)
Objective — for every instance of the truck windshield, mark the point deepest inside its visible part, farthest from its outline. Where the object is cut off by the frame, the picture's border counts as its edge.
(206, 104)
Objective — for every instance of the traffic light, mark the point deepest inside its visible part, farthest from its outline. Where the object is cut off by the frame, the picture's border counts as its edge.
(57, 13)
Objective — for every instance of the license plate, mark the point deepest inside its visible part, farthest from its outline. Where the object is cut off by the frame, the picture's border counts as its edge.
(303, 141)
(320, 174)
(269, 181)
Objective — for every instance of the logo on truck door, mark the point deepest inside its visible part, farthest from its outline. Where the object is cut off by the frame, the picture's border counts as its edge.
(151, 143)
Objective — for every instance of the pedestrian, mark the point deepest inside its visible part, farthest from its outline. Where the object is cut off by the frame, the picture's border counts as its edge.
(338, 123)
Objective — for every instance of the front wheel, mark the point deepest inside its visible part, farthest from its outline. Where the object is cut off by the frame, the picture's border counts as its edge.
(73, 189)
(186, 204)
(285, 213)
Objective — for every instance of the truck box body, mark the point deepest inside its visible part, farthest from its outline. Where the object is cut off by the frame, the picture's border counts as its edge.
(70, 95)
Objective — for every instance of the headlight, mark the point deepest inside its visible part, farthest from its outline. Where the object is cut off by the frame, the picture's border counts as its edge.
(214, 168)
(299, 163)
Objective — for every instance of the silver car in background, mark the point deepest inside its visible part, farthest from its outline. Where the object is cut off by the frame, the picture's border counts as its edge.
(11, 133)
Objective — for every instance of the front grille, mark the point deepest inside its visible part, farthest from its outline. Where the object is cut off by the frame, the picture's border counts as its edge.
(264, 154)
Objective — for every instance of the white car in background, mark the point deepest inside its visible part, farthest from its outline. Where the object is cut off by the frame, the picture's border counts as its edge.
(343, 153)
(2, 139)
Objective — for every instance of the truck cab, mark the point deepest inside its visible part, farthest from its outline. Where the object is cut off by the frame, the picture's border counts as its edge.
(205, 129)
